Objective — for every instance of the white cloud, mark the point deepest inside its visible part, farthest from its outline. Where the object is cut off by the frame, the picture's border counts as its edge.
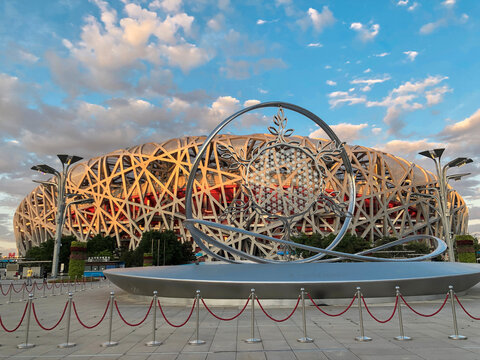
(328, 67)
(364, 33)
(408, 97)
(382, 54)
(331, 83)
(366, 71)
(376, 130)
(343, 97)
(216, 23)
(413, 6)
(411, 55)
(449, 3)
(346, 132)
(402, 3)
(321, 20)
(171, 6)
(315, 45)
(408, 149)
(432, 26)
(262, 91)
(371, 81)
(186, 56)
(251, 103)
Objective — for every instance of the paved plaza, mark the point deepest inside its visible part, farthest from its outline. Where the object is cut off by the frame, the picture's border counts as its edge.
(334, 336)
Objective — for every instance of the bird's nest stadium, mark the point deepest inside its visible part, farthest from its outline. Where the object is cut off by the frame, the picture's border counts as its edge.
(143, 188)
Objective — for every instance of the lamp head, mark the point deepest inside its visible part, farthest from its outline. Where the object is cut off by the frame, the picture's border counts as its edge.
(433, 154)
(45, 169)
(69, 159)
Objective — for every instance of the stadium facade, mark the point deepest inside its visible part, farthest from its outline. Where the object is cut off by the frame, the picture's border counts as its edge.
(143, 188)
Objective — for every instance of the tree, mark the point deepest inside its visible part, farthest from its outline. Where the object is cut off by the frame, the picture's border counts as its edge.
(176, 253)
(44, 252)
(350, 243)
(101, 245)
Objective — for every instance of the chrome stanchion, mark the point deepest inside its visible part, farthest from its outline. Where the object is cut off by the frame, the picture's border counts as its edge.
(110, 342)
(197, 341)
(68, 286)
(454, 315)
(362, 336)
(68, 344)
(305, 338)
(44, 286)
(75, 286)
(154, 342)
(23, 292)
(53, 287)
(10, 295)
(26, 344)
(34, 285)
(252, 338)
(402, 336)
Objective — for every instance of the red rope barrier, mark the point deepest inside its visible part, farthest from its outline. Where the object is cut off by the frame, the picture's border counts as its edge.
(31, 290)
(226, 319)
(8, 290)
(278, 320)
(20, 323)
(37, 286)
(48, 288)
(429, 315)
(177, 326)
(376, 319)
(93, 326)
(54, 326)
(21, 287)
(130, 324)
(60, 285)
(333, 315)
(466, 312)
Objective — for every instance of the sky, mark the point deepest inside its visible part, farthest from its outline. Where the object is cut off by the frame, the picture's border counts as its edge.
(89, 77)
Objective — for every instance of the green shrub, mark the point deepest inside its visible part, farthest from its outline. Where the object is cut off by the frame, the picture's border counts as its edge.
(78, 253)
(467, 258)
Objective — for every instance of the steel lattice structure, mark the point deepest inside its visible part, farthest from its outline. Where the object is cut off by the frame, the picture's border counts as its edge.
(143, 188)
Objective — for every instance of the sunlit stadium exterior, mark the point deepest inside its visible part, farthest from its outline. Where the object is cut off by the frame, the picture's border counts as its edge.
(143, 188)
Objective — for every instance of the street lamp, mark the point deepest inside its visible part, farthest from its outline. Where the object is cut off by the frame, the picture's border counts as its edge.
(443, 191)
(67, 161)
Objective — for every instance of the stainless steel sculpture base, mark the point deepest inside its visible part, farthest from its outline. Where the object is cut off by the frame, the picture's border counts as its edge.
(283, 281)
(25, 346)
(66, 345)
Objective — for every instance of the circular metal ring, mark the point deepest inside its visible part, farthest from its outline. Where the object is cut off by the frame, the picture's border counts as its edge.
(199, 235)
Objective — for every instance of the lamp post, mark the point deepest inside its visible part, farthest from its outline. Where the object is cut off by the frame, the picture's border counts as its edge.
(67, 161)
(443, 191)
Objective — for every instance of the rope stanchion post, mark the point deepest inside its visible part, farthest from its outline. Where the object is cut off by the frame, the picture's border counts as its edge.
(252, 339)
(23, 292)
(402, 336)
(154, 341)
(362, 336)
(68, 344)
(455, 336)
(110, 343)
(197, 341)
(44, 286)
(75, 286)
(11, 290)
(305, 338)
(26, 344)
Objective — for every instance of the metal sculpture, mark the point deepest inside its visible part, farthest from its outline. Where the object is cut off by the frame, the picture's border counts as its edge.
(283, 181)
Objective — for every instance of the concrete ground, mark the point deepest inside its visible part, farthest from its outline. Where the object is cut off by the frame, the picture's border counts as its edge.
(334, 336)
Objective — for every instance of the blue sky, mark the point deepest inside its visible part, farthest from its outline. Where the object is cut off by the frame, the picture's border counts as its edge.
(89, 77)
